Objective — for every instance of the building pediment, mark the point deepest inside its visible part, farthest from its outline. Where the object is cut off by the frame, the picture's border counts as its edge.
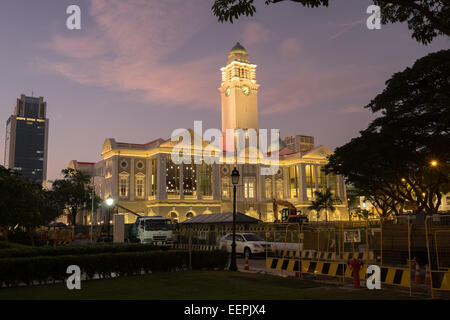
(320, 152)
(108, 145)
(194, 137)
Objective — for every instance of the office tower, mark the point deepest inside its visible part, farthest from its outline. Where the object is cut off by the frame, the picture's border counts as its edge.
(299, 143)
(26, 142)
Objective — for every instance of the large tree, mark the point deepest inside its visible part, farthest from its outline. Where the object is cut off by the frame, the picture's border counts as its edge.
(74, 192)
(24, 205)
(403, 156)
(426, 18)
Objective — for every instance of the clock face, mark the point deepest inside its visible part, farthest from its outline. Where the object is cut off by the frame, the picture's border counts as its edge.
(228, 91)
(246, 90)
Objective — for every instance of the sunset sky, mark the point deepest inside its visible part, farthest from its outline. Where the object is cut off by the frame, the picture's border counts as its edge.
(138, 69)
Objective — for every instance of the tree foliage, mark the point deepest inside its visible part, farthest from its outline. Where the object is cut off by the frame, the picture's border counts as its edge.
(426, 18)
(362, 214)
(324, 201)
(24, 205)
(74, 192)
(390, 163)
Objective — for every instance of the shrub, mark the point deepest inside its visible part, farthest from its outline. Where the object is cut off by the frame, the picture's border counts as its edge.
(23, 251)
(12, 245)
(44, 269)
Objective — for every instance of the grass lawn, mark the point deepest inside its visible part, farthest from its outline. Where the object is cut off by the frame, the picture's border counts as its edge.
(193, 285)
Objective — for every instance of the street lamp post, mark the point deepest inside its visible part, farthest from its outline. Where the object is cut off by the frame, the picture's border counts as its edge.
(235, 181)
(109, 202)
(92, 208)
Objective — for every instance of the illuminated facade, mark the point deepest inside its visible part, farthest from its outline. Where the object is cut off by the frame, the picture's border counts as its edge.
(143, 178)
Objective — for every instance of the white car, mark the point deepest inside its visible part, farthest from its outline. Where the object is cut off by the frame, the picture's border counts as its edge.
(247, 244)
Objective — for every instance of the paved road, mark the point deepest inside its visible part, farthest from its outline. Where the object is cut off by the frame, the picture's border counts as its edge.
(256, 264)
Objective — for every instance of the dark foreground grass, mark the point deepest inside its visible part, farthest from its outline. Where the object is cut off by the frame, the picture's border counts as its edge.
(196, 285)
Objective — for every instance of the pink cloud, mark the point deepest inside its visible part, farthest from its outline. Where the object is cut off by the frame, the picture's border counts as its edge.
(290, 48)
(305, 88)
(255, 33)
(353, 109)
(128, 50)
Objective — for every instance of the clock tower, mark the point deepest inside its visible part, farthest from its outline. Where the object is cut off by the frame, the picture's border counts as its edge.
(239, 91)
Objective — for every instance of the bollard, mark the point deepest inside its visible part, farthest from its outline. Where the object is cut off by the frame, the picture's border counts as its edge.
(246, 267)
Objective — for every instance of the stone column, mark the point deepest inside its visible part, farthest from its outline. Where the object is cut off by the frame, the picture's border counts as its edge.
(132, 183)
(261, 181)
(316, 177)
(305, 194)
(161, 181)
(148, 179)
(286, 194)
(181, 187)
(215, 183)
(274, 186)
(115, 177)
(197, 184)
(301, 185)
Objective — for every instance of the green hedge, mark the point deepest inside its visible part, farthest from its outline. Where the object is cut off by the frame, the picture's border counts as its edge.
(14, 271)
(23, 252)
(11, 245)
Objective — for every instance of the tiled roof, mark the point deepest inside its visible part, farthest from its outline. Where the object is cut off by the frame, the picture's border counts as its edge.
(144, 146)
(85, 163)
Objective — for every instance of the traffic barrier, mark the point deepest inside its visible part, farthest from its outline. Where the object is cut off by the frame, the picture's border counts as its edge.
(323, 255)
(390, 276)
(396, 276)
(440, 280)
(246, 267)
(184, 246)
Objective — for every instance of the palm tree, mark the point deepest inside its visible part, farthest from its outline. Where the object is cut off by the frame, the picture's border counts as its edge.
(316, 206)
(324, 201)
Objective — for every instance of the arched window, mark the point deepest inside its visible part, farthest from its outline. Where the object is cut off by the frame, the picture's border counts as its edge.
(189, 215)
(173, 216)
(124, 183)
(139, 188)
(226, 188)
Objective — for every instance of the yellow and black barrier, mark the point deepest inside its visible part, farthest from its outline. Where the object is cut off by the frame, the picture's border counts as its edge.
(323, 255)
(204, 247)
(60, 242)
(391, 276)
(440, 280)
(396, 276)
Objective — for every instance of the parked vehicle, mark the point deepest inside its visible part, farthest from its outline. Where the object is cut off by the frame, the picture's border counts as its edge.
(247, 244)
(155, 230)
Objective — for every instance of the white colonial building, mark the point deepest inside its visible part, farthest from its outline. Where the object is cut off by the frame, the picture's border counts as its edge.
(143, 177)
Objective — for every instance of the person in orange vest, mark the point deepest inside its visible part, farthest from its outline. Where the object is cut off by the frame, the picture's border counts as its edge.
(355, 266)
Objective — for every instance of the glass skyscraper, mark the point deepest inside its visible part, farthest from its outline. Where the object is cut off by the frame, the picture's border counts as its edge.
(26, 142)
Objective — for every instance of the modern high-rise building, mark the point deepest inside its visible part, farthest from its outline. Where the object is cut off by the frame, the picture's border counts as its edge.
(26, 142)
(299, 143)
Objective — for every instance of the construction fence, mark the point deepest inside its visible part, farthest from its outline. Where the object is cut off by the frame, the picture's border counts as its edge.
(413, 252)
